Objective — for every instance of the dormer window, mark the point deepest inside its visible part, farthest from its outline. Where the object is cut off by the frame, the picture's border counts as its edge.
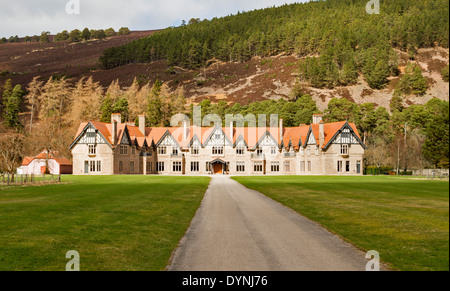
(123, 150)
(344, 150)
(92, 150)
(273, 150)
(195, 151)
(162, 150)
(240, 151)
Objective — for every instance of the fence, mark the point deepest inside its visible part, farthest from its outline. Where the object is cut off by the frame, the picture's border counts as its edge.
(433, 173)
(16, 179)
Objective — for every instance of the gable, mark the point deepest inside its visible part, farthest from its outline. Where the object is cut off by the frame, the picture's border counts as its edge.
(346, 136)
(218, 138)
(168, 141)
(195, 142)
(240, 142)
(312, 139)
(90, 135)
(267, 141)
(125, 140)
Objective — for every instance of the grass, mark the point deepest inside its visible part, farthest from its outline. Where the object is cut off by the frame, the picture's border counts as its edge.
(405, 220)
(115, 223)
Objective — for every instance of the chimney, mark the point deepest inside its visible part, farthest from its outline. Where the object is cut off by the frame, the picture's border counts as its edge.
(317, 118)
(142, 124)
(322, 133)
(281, 131)
(231, 131)
(185, 130)
(116, 117)
(114, 133)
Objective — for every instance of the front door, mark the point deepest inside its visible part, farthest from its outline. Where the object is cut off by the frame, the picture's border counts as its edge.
(218, 169)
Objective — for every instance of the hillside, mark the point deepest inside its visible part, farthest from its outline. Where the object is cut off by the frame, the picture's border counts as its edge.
(23, 61)
(363, 61)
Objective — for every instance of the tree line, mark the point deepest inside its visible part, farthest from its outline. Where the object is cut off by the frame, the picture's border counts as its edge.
(46, 114)
(337, 39)
(72, 36)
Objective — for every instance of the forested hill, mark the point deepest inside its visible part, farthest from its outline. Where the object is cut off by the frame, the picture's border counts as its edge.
(348, 40)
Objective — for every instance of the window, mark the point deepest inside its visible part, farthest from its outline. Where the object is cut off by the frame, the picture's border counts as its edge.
(133, 151)
(124, 150)
(309, 151)
(240, 167)
(287, 166)
(259, 151)
(195, 151)
(302, 151)
(344, 150)
(317, 151)
(258, 167)
(217, 151)
(345, 135)
(177, 167)
(99, 166)
(121, 166)
(358, 167)
(302, 166)
(149, 167)
(195, 166)
(240, 151)
(162, 150)
(92, 166)
(175, 151)
(131, 167)
(309, 167)
(347, 166)
(92, 149)
(275, 167)
(273, 150)
(217, 136)
(160, 166)
(339, 166)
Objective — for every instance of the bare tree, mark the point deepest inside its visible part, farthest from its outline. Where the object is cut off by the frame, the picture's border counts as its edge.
(11, 151)
(32, 98)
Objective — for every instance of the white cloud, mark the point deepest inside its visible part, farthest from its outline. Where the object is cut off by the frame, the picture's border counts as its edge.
(25, 17)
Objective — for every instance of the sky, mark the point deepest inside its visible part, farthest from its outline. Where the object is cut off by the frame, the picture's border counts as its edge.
(31, 17)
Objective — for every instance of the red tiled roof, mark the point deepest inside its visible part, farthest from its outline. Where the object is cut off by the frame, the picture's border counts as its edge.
(251, 135)
(63, 161)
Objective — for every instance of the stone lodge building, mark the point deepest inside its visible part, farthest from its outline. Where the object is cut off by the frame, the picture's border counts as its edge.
(118, 148)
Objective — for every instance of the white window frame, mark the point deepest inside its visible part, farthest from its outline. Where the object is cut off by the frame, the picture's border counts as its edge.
(240, 151)
(195, 167)
(287, 166)
(92, 149)
(160, 167)
(275, 167)
(240, 167)
(123, 150)
(162, 150)
(177, 167)
(217, 151)
(273, 150)
(344, 149)
(195, 151)
(258, 167)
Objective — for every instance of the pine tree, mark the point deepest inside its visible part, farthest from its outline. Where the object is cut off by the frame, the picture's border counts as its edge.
(154, 113)
(12, 108)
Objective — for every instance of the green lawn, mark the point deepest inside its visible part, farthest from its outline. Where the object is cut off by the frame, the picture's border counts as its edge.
(115, 223)
(405, 220)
